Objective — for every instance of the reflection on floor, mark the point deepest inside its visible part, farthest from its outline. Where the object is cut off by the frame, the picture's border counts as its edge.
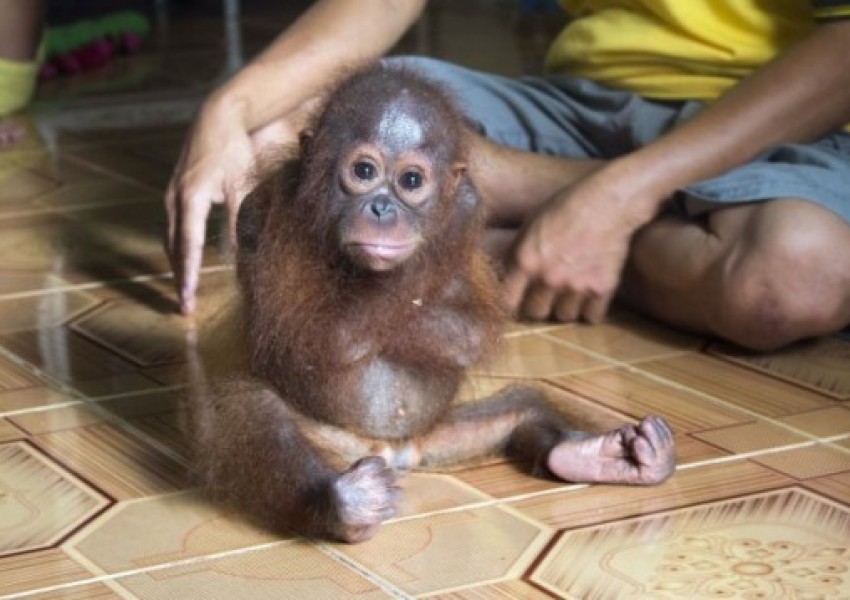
(93, 498)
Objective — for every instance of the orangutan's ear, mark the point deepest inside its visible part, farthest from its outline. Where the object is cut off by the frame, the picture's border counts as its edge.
(305, 140)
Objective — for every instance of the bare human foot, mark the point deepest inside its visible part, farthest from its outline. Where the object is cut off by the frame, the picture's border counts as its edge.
(640, 455)
(10, 132)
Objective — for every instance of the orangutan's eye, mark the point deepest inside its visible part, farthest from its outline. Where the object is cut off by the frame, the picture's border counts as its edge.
(364, 171)
(410, 180)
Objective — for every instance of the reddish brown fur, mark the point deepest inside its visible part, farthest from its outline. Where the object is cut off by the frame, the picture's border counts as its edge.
(292, 302)
(349, 373)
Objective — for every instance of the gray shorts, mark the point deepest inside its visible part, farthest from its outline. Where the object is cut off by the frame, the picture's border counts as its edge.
(577, 118)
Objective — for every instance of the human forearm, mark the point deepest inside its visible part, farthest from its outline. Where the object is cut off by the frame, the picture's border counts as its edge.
(330, 37)
(802, 94)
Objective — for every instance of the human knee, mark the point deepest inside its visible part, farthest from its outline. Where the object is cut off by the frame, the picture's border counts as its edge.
(754, 310)
(782, 290)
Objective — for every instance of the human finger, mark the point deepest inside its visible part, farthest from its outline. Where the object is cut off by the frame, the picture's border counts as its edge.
(596, 307)
(538, 302)
(170, 202)
(192, 230)
(233, 201)
(568, 306)
(514, 285)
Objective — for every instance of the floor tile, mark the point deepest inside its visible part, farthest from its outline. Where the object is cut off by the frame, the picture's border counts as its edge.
(43, 310)
(637, 395)
(836, 487)
(517, 328)
(34, 398)
(17, 285)
(820, 365)
(116, 325)
(805, 463)
(94, 591)
(690, 450)
(598, 504)
(57, 419)
(21, 186)
(425, 493)
(449, 549)
(13, 376)
(536, 356)
(294, 570)
(506, 590)
(504, 479)
(158, 139)
(152, 532)
(129, 408)
(33, 246)
(822, 423)
(8, 432)
(39, 569)
(736, 385)
(117, 459)
(70, 359)
(147, 160)
(478, 387)
(585, 413)
(628, 338)
(169, 375)
(750, 437)
(106, 244)
(48, 184)
(785, 544)
(40, 502)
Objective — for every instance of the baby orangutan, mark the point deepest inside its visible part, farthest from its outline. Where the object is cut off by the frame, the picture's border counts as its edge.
(365, 297)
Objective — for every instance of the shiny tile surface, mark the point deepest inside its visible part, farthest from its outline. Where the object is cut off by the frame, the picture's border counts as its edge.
(787, 544)
(94, 499)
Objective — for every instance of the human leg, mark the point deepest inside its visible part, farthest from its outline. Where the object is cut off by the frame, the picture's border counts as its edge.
(20, 28)
(761, 275)
(724, 273)
(21, 23)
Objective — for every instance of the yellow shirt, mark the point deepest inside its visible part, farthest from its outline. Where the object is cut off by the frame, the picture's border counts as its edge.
(680, 49)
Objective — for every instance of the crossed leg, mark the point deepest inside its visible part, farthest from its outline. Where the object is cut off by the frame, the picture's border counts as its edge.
(762, 274)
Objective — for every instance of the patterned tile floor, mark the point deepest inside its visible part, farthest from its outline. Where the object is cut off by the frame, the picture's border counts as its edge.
(93, 495)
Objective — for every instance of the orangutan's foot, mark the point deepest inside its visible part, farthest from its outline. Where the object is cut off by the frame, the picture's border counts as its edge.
(640, 455)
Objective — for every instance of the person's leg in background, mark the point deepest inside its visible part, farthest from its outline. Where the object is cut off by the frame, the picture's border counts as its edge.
(761, 274)
(21, 29)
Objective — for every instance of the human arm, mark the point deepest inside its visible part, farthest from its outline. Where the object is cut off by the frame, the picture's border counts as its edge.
(568, 259)
(272, 92)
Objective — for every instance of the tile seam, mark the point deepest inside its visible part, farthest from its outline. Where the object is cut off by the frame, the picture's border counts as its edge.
(145, 570)
(94, 285)
(352, 565)
(698, 393)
